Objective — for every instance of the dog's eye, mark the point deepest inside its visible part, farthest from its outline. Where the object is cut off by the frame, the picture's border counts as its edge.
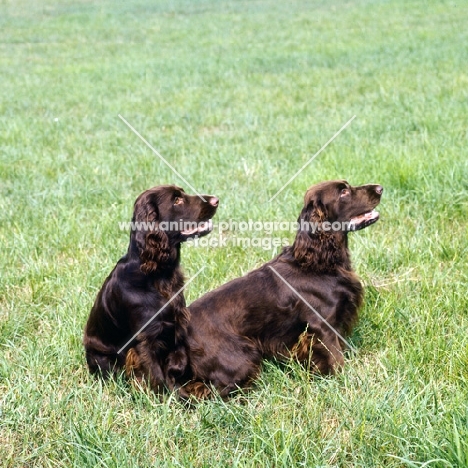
(178, 201)
(345, 192)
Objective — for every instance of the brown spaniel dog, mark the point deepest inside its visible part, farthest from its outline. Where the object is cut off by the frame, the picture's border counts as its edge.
(299, 305)
(126, 312)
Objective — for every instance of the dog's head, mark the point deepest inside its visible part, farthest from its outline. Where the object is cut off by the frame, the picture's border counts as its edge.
(339, 202)
(332, 209)
(165, 216)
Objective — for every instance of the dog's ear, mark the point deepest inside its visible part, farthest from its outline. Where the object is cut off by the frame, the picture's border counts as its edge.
(310, 219)
(152, 243)
(313, 246)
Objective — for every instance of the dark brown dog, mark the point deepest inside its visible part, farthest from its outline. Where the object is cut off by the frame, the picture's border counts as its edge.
(273, 312)
(142, 282)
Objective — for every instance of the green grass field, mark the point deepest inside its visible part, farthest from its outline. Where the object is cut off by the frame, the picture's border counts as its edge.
(238, 95)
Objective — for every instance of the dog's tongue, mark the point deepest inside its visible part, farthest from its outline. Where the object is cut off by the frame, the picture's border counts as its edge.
(203, 226)
(361, 221)
(365, 217)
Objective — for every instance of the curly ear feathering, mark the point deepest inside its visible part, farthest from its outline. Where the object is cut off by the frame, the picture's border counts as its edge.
(125, 313)
(157, 252)
(315, 246)
(152, 243)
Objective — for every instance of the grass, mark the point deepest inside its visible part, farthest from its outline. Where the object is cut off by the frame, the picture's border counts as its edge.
(238, 95)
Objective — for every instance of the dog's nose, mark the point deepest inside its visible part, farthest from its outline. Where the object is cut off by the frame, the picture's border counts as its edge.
(379, 189)
(214, 201)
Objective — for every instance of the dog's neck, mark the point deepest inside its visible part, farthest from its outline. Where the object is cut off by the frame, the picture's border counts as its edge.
(321, 251)
(169, 284)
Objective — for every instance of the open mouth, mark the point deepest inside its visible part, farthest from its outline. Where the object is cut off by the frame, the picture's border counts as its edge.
(202, 228)
(363, 220)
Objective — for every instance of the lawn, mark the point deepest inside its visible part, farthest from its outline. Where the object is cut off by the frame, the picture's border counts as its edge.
(238, 96)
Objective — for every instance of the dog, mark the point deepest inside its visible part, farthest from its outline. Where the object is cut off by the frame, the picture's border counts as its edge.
(298, 305)
(127, 310)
